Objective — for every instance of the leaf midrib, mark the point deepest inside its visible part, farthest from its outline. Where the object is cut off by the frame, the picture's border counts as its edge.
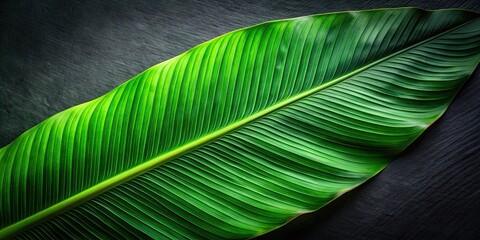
(125, 176)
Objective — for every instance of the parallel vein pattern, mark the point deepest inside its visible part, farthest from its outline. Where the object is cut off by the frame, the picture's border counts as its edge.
(266, 172)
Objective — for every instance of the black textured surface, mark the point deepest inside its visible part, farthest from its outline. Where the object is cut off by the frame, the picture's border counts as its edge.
(57, 54)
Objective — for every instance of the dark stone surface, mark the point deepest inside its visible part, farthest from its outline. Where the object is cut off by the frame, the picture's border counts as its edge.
(57, 54)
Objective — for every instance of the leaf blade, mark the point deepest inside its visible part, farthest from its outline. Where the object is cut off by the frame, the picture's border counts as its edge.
(305, 151)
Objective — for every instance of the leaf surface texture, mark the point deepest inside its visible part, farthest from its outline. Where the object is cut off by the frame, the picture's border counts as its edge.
(240, 134)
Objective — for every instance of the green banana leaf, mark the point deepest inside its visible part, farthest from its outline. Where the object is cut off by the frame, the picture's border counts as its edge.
(240, 134)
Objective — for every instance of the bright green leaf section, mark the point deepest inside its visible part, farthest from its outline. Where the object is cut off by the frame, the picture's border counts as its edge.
(240, 134)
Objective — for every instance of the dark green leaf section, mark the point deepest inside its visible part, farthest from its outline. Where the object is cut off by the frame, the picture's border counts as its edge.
(264, 173)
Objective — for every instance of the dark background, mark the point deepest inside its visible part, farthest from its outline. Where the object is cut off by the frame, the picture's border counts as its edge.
(57, 54)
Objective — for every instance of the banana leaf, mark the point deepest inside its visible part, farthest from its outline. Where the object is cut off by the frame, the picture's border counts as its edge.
(240, 134)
